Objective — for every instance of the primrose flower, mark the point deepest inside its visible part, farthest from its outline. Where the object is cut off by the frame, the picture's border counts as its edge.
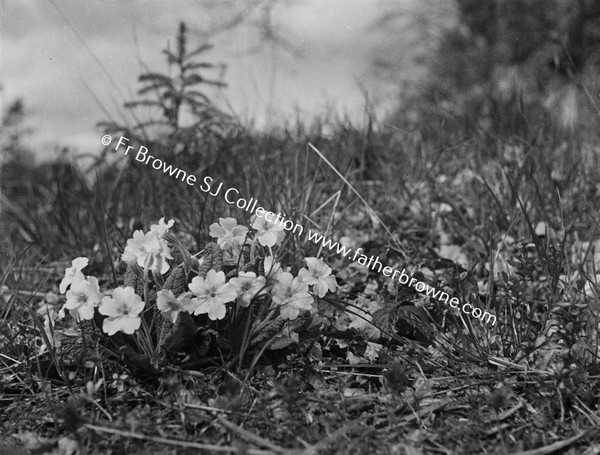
(162, 227)
(158, 253)
(212, 293)
(318, 275)
(168, 304)
(291, 294)
(228, 233)
(248, 286)
(73, 273)
(268, 233)
(82, 297)
(123, 310)
(187, 302)
(134, 247)
(272, 268)
(148, 250)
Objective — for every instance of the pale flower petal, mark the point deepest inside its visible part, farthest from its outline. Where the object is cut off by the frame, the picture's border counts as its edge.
(248, 286)
(125, 324)
(216, 311)
(214, 278)
(123, 309)
(150, 251)
(86, 312)
(269, 233)
(73, 272)
(289, 312)
(291, 294)
(212, 293)
(162, 227)
(168, 304)
(189, 304)
(197, 285)
(318, 275)
(228, 233)
(83, 296)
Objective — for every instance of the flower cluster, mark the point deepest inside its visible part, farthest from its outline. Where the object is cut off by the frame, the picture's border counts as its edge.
(230, 237)
(122, 308)
(209, 293)
(83, 293)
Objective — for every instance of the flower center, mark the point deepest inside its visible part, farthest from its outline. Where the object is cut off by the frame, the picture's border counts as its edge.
(213, 294)
(82, 298)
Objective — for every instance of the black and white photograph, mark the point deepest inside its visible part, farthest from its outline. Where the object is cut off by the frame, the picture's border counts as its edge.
(303, 227)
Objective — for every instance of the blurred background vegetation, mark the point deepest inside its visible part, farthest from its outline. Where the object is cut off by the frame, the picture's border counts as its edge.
(507, 90)
(497, 75)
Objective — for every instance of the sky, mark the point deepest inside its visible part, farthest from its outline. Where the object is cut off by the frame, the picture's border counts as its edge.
(75, 65)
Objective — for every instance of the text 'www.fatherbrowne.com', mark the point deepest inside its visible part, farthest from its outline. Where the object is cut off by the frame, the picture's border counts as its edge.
(374, 263)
